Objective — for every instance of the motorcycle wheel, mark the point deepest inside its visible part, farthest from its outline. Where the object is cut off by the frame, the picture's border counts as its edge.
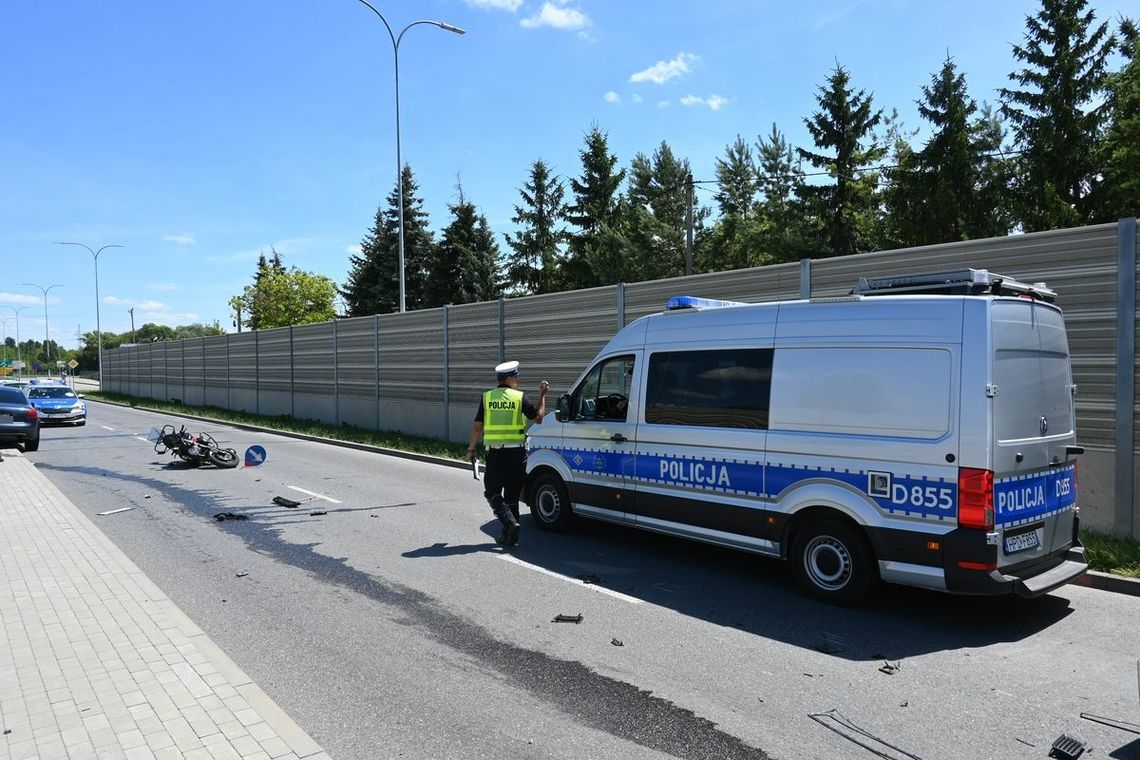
(224, 458)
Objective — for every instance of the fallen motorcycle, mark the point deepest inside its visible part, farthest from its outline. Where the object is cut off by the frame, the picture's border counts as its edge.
(193, 449)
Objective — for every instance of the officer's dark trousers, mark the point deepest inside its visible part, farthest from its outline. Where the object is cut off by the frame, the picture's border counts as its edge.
(504, 478)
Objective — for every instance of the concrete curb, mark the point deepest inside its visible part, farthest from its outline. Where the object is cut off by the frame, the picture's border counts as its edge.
(1117, 584)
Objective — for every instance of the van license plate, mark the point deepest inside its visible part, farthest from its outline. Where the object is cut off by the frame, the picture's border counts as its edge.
(1022, 542)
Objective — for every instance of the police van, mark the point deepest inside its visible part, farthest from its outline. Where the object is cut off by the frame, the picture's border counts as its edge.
(918, 431)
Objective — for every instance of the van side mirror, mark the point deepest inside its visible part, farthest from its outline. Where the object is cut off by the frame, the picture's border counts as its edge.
(562, 413)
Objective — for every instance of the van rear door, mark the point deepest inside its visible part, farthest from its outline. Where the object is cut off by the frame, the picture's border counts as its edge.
(1034, 475)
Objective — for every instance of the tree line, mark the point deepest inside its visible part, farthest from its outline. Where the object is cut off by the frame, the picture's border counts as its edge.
(1061, 148)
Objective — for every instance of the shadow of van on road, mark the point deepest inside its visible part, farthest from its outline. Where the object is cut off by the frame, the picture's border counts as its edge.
(758, 595)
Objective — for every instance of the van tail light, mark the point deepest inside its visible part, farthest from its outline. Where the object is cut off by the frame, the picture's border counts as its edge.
(975, 498)
(33, 414)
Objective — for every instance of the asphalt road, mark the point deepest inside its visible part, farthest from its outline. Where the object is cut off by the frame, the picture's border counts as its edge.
(393, 627)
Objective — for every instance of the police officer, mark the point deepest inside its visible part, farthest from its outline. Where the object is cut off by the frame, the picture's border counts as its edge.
(501, 421)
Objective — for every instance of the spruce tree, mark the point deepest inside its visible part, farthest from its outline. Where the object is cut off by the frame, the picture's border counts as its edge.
(537, 249)
(1119, 152)
(733, 236)
(373, 284)
(1057, 115)
(658, 191)
(844, 127)
(595, 205)
(780, 182)
(463, 266)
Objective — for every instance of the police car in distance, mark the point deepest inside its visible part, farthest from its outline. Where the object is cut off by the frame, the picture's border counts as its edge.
(919, 431)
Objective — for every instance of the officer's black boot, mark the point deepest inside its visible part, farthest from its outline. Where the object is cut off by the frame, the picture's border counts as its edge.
(510, 534)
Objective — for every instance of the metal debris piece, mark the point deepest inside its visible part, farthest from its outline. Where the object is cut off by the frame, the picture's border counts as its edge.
(115, 511)
(567, 618)
(243, 573)
(835, 721)
(1123, 725)
(617, 643)
(282, 501)
(905, 703)
(229, 516)
(588, 579)
(1066, 747)
(317, 513)
(890, 668)
(1027, 744)
(147, 496)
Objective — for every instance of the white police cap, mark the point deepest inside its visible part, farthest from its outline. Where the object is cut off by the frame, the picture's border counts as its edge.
(507, 368)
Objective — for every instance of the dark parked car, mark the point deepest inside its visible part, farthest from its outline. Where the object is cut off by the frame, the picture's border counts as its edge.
(57, 403)
(19, 420)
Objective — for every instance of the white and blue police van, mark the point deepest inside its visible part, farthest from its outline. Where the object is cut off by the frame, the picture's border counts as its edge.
(919, 431)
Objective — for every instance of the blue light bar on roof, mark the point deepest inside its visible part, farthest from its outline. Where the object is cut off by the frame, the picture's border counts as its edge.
(693, 302)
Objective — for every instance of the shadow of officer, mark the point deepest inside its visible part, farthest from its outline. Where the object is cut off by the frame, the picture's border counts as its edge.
(501, 422)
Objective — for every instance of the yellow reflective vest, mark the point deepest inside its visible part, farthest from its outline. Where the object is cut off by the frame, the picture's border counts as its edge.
(503, 420)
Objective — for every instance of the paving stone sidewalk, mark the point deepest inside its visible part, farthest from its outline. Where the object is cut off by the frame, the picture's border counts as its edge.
(96, 662)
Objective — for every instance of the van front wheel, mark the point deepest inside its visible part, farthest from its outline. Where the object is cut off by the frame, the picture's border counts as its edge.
(833, 562)
(550, 504)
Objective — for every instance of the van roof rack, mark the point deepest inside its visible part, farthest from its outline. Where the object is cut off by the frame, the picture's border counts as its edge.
(958, 282)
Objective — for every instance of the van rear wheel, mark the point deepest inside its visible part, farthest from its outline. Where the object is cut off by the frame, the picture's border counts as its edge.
(833, 562)
(550, 504)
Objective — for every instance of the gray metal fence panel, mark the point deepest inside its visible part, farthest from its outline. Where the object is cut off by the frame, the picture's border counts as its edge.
(411, 356)
(313, 359)
(274, 360)
(174, 374)
(774, 283)
(243, 360)
(356, 356)
(473, 350)
(217, 362)
(556, 335)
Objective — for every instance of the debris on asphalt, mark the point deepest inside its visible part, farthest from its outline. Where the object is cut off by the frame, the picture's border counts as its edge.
(1067, 747)
(282, 501)
(835, 721)
(831, 643)
(243, 573)
(588, 579)
(1123, 725)
(115, 511)
(317, 513)
(7, 731)
(617, 643)
(147, 496)
(567, 618)
(1027, 744)
(229, 516)
(905, 703)
(890, 668)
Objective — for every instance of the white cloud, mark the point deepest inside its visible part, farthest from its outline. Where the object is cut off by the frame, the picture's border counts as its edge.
(22, 299)
(169, 318)
(146, 304)
(180, 239)
(612, 97)
(662, 71)
(637, 98)
(557, 15)
(500, 5)
(662, 103)
(162, 286)
(355, 250)
(714, 102)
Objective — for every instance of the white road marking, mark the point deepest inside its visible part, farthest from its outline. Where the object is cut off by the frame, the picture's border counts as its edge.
(107, 428)
(575, 581)
(329, 499)
(140, 438)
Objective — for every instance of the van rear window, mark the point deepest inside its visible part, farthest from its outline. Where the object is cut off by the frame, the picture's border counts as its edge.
(723, 388)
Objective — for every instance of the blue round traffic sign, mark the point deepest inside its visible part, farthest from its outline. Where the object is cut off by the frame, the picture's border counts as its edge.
(254, 456)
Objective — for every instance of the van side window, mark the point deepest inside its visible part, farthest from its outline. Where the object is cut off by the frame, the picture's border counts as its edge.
(723, 388)
(604, 393)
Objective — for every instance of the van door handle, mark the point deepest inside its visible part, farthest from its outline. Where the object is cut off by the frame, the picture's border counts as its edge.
(618, 438)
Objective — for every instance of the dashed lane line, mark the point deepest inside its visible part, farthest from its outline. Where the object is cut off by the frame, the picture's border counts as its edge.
(315, 495)
(575, 581)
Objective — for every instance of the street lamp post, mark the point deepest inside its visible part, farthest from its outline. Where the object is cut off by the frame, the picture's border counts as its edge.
(399, 163)
(98, 326)
(16, 311)
(47, 346)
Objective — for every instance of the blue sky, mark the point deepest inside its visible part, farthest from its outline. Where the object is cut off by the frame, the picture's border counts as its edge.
(198, 134)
